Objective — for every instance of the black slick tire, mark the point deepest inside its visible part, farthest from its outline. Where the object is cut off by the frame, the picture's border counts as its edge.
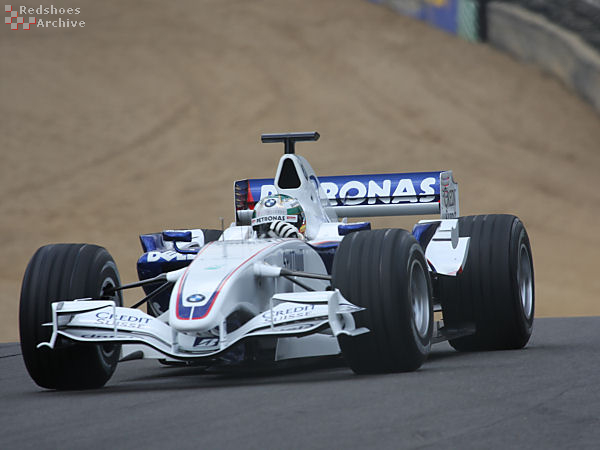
(385, 272)
(65, 272)
(495, 292)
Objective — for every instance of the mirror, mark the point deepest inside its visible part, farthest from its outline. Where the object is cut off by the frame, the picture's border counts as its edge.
(177, 235)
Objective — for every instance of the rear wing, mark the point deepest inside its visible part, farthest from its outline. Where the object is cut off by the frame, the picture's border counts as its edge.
(393, 194)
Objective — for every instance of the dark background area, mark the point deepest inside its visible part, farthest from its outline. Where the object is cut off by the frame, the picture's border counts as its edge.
(580, 16)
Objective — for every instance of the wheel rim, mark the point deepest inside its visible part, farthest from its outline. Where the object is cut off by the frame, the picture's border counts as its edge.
(108, 350)
(525, 281)
(420, 299)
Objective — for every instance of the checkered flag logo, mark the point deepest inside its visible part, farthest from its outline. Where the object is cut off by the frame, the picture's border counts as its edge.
(14, 20)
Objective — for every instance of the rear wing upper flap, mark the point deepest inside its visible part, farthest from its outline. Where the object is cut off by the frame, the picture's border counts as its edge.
(393, 194)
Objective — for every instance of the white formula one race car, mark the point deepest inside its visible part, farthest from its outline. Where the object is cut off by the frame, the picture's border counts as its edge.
(288, 280)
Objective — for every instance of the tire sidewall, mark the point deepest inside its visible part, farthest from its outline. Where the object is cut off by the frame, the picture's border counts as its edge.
(109, 354)
(422, 343)
(520, 238)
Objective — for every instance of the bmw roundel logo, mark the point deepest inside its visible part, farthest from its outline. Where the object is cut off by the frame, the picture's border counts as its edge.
(196, 298)
(270, 202)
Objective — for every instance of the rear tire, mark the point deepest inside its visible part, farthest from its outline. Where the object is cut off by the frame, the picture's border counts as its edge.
(496, 291)
(65, 272)
(385, 272)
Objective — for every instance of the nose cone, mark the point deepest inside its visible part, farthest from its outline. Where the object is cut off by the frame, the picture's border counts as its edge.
(214, 283)
(193, 297)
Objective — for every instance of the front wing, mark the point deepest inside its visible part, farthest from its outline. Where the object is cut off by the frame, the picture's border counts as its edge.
(290, 315)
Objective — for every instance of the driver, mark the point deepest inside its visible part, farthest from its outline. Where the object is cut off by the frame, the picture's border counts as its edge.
(279, 216)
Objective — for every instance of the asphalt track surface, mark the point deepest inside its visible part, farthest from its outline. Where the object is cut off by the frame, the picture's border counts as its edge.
(546, 396)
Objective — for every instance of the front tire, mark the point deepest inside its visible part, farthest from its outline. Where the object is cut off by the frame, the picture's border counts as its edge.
(65, 272)
(385, 272)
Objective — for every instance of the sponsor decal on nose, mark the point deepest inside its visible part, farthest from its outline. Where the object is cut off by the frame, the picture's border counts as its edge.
(197, 299)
